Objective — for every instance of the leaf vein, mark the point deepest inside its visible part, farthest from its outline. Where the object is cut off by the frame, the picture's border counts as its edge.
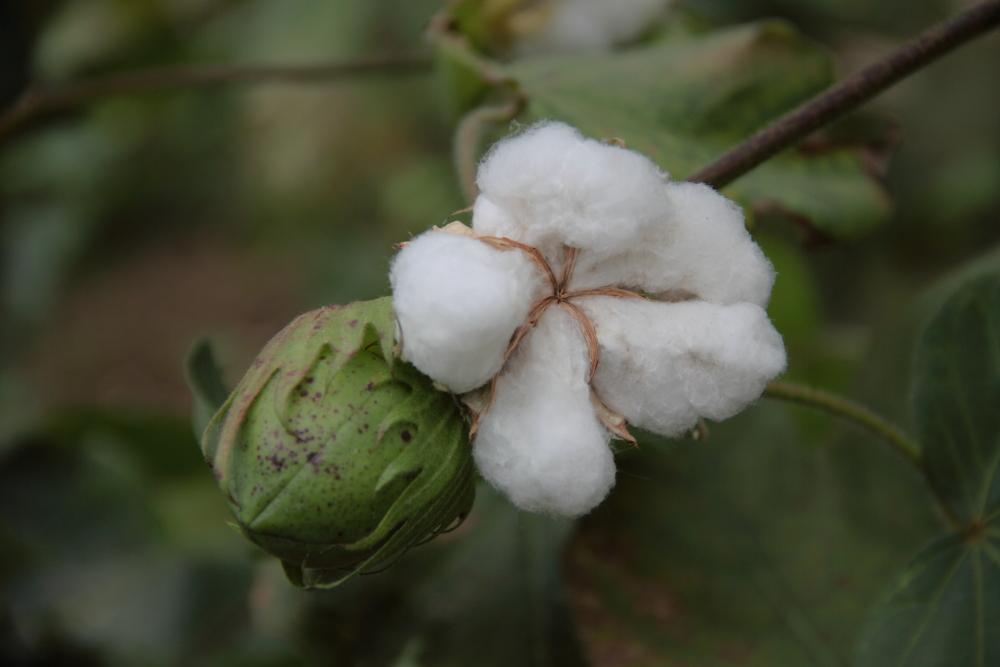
(931, 607)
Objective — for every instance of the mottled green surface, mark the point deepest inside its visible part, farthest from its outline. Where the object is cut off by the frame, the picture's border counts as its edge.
(334, 457)
(687, 99)
(945, 608)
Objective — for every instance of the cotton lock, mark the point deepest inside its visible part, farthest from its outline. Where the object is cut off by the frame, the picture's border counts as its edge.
(581, 26)
(591, 293)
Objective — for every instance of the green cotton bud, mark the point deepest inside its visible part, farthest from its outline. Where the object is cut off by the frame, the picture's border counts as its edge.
(335, 456)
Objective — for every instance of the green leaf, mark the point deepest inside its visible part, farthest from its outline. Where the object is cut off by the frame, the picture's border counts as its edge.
(945, 608)
(208, 391)
(685, 100)
(161, 446)
(957, 399)
(753, 548)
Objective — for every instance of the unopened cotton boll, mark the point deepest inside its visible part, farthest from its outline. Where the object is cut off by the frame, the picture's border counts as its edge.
(580, 26)
(556, 187)
(664, 365)
(458, 301)
(540, 442)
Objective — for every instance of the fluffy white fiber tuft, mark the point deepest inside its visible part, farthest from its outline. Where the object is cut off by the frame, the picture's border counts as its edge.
(548, 186)
(664, 365)
(579, 26)
(702, 248)
(458, 301)
(540, 442)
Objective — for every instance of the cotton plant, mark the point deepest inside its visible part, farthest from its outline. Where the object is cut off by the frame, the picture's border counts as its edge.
(591, 293)
(591, 296)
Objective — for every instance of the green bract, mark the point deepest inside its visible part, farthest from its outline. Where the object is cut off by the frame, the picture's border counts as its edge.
(336, 458)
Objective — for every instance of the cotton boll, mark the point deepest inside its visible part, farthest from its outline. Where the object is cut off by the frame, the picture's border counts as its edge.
(664, 365)
(581, 26)
(540, 442)
(458, 301)
(557, 187)
(702, 248)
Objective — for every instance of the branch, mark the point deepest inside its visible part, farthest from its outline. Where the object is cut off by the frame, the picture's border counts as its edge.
(868, 420)
(39, 101)
(848, 409)
(850, 93)
(468, 136)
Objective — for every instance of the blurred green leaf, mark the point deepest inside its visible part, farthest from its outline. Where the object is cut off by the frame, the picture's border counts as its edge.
(957, 396)
(751, 548)
(458, 78)
(945, 607)
(497, 596)
(685, 100)
(83, 514)
(86, 564)
(208, 391)
(795, 307)
(159, 446)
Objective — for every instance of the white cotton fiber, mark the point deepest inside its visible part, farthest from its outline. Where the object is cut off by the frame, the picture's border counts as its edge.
(556, 187)
(458, 301)
(702, 248)
(579, 26)
(540, 443)
(488, 219)
(664, 365)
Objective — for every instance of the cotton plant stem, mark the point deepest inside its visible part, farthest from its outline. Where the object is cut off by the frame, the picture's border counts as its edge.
(868, 420)
(850, 93)
(39, 101)
(469, 135)
(849, 410)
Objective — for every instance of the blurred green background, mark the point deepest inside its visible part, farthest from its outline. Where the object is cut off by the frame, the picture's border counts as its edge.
(136, 224)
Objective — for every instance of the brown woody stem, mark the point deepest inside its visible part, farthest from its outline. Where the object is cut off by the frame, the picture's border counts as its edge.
(39, 101)
(850, 93)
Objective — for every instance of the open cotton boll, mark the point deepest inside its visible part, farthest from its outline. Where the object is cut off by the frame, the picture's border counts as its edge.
(664, 365)
(702, 248)
(581, 26)
(458, 301)
(540, 442)
(557, 187)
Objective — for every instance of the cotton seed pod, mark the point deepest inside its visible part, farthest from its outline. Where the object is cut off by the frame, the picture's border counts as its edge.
(336, 457)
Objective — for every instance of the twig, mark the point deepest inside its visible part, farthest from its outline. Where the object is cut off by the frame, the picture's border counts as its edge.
(39, 101)
(868, 420)
(850, 93)
(469, 135)
(848, 409)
